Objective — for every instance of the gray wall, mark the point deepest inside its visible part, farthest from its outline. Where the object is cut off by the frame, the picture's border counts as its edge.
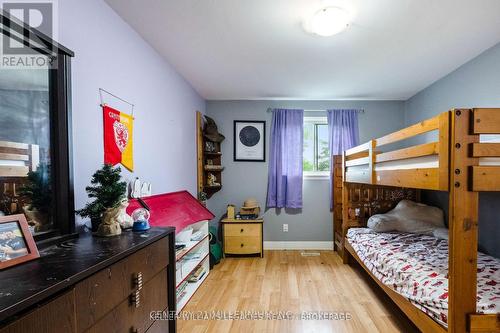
(475, 84)
(111, 55)
(249, 179)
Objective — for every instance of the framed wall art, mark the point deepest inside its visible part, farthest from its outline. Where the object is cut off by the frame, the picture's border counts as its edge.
(16, 242)
(249, 141)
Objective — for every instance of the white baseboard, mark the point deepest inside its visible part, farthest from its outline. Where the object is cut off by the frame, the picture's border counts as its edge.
(297, 245)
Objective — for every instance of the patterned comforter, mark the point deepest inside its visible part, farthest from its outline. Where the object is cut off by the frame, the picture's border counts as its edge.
(416, 266)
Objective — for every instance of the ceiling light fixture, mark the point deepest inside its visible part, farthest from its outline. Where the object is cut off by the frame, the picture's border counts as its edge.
(328, 21)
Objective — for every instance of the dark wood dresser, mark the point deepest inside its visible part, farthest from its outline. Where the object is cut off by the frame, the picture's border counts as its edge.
(92, 284)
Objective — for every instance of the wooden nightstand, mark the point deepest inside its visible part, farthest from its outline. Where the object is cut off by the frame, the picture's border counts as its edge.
(243, 237)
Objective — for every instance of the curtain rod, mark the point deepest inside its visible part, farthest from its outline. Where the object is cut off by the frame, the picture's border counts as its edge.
(358, 110)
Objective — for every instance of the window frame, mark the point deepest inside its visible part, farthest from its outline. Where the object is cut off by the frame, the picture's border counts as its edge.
(316, 175)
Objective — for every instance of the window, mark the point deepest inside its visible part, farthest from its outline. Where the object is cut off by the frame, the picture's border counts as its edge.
(316, 151)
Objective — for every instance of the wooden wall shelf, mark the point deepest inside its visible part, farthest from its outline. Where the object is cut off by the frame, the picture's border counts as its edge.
(206, 160)
(209, 168)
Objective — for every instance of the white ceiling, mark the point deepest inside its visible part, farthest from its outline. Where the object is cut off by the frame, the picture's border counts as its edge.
(257, 49)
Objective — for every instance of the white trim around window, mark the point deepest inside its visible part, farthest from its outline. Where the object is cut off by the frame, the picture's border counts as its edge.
(316, 175)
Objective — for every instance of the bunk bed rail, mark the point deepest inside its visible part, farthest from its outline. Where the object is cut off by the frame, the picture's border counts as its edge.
(17, 159)
(422, 166)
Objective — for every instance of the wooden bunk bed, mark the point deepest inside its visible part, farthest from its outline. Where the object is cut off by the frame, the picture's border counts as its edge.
(456, 161)
(16, 161)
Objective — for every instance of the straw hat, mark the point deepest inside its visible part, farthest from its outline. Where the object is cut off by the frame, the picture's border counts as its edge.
(250, 206)
(250, 203)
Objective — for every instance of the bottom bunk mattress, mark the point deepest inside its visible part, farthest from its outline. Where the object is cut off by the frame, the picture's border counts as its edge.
(416, 266)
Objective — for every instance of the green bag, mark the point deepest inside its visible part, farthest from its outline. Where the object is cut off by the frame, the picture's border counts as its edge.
(215, 247)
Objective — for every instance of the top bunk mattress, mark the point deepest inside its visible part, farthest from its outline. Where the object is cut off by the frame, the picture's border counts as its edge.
(416, 267)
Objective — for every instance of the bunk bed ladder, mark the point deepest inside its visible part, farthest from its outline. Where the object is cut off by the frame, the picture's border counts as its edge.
(463, 225)
(484, 178)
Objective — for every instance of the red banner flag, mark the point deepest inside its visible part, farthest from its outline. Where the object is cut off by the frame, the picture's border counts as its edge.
(118, 133)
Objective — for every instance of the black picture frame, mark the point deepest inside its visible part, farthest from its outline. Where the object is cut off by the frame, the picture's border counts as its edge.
(262, 140)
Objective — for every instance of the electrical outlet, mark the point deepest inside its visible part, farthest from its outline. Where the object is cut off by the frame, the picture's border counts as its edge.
(285, 227)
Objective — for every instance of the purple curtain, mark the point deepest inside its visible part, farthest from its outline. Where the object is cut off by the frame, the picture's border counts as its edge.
(284, 189)
(343, 134)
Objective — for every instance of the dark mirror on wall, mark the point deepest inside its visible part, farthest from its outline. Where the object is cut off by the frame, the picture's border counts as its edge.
(35, 150)
(25, 149)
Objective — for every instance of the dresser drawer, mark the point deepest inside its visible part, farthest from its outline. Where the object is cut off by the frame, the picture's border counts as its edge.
(55, 316)
(242, 229)
(159, 326)
(100, 293)
(127, 317)
(242, 245)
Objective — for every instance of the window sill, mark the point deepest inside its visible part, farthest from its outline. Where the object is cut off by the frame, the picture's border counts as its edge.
(316, 176)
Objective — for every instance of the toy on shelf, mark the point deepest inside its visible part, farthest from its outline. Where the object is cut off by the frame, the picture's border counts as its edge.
(141, 219)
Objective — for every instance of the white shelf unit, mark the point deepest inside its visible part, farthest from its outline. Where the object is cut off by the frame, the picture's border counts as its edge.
(195, 254)
(192, 287)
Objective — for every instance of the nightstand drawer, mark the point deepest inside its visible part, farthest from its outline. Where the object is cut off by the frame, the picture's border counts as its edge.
(242, 245)
(241, 229)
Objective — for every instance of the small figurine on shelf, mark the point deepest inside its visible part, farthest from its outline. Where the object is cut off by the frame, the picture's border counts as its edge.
(202, 198)
(210, 147)
(212, 180)
(230, 211)
(122, 217)
(139, 190)
(135, 188)
(146, 190)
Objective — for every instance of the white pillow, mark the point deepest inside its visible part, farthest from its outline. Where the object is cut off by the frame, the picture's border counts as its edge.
(409, 216)
(441, 233)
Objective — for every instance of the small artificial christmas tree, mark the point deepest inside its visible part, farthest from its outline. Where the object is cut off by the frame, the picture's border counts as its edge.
(108, 191)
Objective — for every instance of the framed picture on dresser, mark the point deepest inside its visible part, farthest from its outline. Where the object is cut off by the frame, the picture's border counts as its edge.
(16, 242)
(249, 141)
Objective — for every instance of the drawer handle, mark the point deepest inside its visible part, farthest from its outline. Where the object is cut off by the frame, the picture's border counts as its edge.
(135, 298)
(137, 280)
(134, 330)
(242, 245)
(242, 230)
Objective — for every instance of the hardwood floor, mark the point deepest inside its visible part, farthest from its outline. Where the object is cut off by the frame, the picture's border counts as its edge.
(288, 282)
